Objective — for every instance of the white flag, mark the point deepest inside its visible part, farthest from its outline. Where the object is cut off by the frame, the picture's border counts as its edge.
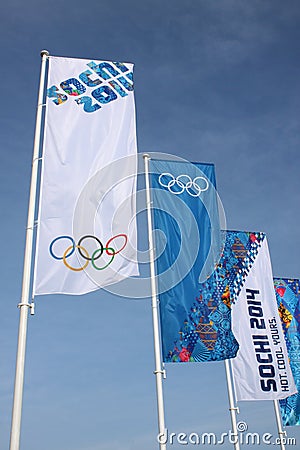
(261, 369)
(86, 225)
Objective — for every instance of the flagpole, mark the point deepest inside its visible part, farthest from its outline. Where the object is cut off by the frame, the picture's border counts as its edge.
(159, 371)
(24, 305)
(232, 408)
(281, 433)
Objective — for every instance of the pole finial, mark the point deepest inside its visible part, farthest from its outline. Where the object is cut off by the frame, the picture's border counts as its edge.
(44, 53)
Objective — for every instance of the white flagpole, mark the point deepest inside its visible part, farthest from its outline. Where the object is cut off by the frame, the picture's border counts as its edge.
(232, 408)
(24, 305)
(159, 371)
(281, 433)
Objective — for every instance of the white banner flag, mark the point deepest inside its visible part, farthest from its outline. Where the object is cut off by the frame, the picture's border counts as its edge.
(261, 369)
(86, 226)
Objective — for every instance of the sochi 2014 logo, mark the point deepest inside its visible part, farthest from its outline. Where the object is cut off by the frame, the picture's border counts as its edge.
(110, 81)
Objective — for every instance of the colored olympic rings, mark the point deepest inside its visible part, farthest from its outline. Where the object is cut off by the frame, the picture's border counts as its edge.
(184, 183)
(109, 262)
(91, 237)
(57, 239)
(83, 252)
(111, 239)
(78, 269)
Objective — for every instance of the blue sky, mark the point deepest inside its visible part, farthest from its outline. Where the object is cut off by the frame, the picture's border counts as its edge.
(215, 81)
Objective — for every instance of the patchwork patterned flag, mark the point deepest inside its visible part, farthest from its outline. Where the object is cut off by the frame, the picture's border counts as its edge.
(86, 235)
(194, 311)
(288, 301)
(261, 369)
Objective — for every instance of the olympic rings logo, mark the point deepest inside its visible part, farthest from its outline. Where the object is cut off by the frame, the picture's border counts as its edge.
(184, 183)
(108, 249)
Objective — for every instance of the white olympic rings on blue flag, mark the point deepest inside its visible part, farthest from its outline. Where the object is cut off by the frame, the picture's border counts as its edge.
(190, 186)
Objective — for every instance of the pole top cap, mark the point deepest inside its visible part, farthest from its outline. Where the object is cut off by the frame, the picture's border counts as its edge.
(45, 53)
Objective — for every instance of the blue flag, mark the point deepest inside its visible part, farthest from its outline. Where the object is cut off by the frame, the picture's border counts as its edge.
(194, 327)
(288, 300)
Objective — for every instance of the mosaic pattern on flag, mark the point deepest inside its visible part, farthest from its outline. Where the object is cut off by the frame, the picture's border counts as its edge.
(288, 300)
(206, 333)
